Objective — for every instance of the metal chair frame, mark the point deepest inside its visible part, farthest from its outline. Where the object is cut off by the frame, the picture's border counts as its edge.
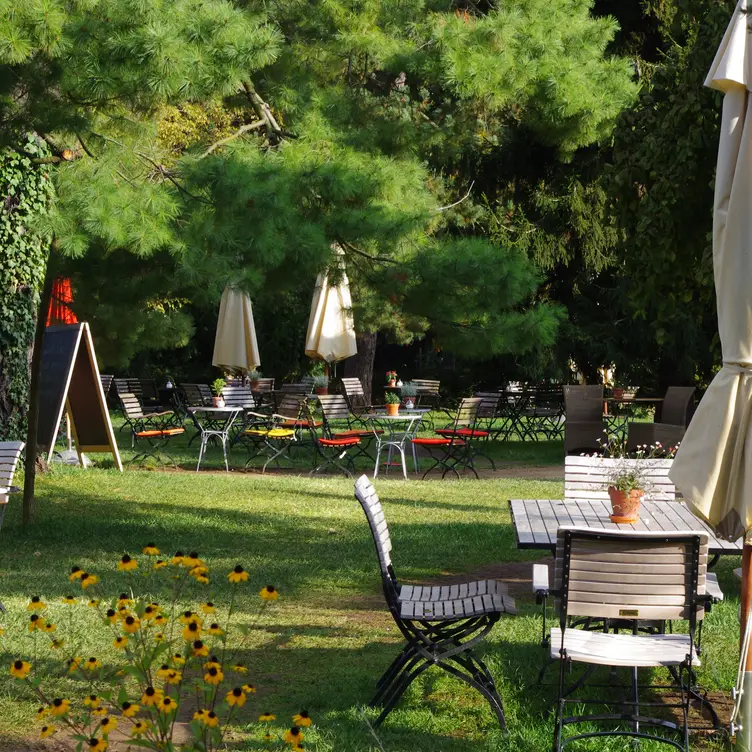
(441, 625)
(338, 451)
(335, 408)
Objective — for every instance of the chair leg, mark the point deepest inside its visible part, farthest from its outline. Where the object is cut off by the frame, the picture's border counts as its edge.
(224, 452)
(201, 452)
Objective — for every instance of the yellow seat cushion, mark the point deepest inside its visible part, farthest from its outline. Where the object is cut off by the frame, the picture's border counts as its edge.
(273, 433)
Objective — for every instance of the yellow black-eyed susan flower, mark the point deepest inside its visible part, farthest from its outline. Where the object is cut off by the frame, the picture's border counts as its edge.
(159, 563)
(177, 560)
(96, 745)
(167, 705)
(92, 663)
(131, 624)
(201, 579)
(199, 649)
(162, 671)
(100, 712)
(150, 550)
(94, 603)
(87, 580)
(188, 616)
(57, 644)
(112, 616)
(108, 724)
(160, 620)
(177, 659)
(268, 737)
(121, 642)
(216, 630)
(150, 612)
(269, 593)
(92, 701)
(76, 573)
(297, 748)
(47, 730)
(239, 668)
(249, 689)
(267, 717)
(35, 622)
(41, 713)
(36, 604)
(130, 709)
(139, 728)
(159, 637)
(211, 719)
(59, 706)
(199, 571)
(191, 631)
(214, 676)
(213, 662)
(208, 608)
(174, 677)
(69, 600)
(302, 719)
(20, 669)
(127, 564)
(47, 626)
(124, 601)
(74, 664)
(151, 696)
(236, 697)
(2, 631)
(293, 736)
(238, 574)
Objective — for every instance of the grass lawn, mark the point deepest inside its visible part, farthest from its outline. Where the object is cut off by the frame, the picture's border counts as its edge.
(326, 641)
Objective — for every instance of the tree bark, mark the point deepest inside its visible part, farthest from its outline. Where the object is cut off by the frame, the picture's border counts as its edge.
(361, 365)
(33, 414)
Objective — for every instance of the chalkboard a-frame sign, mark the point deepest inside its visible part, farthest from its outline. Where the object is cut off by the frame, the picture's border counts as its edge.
(70, 381)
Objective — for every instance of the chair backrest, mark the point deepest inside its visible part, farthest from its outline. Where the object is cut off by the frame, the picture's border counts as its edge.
(676, 405)
(356, 396)
(149, 391)
(467, 412)
(583, 403)
(128, 386)
(334, 407)
(489, 405)
(296, 388)
(427, 386)
(197, 395)
(106, 379)
(10, 453)
(612, 574)
(307, 382)
(131, 405)
(549, 398)
(366, 494)
(290, 405)
(264, 386)
(587, 478)
(238, 395)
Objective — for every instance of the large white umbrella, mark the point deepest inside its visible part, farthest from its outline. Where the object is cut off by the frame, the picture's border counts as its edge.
(331, 333)
(235, 344)
(713, 468)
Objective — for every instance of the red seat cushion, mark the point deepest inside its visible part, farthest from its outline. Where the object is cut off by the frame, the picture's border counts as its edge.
(432, 442)
(352, 441)
(462, 432)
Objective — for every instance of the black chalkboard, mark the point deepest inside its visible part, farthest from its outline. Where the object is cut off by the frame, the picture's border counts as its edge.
(59, 351)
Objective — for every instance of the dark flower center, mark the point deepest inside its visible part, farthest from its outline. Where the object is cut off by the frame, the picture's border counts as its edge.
(124, 597)
(148, 610)
(34, 617)
(212, 671)
(210, 604)
(125, 558)
(270, 588)
(93, 698)
(92, 660)
(57, 702)
(165, 667)
(294, 730)
(18, 665)
(214, 626)
(193, 627)
(212, 714)
(303, 714)
(177, 655)
(167, 701)
(110, 612)
(70, 597)
(36, 599)
(187, 614)
(150, 545)
(126, 705)
(93, 742)
(84, 575)
(238, 569)
(129, 620)
(198, 644)
(179, 553)
(237, 691)
(193, 555)
(150, 691)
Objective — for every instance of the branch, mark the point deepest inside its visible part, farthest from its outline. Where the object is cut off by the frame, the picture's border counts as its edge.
(239, 132)
(351, 247)
(449, 206)
(264, 112)
(84, 146)
(162, 170)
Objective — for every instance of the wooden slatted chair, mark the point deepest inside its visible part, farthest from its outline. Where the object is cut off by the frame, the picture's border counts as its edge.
(584, 425)
(356, 397)
(453, 448)
(10, 454)
(612, 575)
(488, 411)
(196, 395)
(428, 392)
(441, 624)
(263, 391)
(154, 430)
(544, 412)
(340, 423)
(238, 395)
(106, 380)
(670, 430)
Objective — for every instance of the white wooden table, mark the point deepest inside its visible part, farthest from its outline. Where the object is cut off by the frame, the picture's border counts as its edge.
(536, 521)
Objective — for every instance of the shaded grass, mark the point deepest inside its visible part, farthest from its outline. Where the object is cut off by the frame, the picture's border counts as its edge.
(328, 639)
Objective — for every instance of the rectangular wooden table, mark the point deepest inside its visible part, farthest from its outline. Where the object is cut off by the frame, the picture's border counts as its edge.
(536, 521)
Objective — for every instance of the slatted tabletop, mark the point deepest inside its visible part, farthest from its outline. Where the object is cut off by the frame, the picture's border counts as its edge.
(537, 520)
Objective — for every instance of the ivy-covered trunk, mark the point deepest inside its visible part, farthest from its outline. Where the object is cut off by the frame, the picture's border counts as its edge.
(25, 192)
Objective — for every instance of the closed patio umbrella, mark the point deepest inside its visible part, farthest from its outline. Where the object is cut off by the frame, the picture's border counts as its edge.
(331, 333)
(235, 344)
(713, 468)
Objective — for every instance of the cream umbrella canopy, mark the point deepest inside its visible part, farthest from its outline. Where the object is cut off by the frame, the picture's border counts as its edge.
(331, 333)
(713, 467)
(235, 343)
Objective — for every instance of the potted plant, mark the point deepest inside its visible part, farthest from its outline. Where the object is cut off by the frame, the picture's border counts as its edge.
(216, 387)
(253, 377)
(391, 378)
(321, 384)
(409, 391)
(392, 401)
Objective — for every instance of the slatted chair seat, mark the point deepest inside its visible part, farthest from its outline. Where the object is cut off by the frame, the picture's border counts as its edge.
(472, 433)
(154, 429)
(604, 649)
(361, 433)
(334, 451)
(340, 442)
(430, 441)
(153, 433)
(305, 423)
(440, 631)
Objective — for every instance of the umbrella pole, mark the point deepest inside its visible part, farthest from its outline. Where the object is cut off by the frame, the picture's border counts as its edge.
(744, 735)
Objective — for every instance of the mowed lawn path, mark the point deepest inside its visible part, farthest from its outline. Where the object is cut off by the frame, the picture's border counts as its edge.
(326, 641)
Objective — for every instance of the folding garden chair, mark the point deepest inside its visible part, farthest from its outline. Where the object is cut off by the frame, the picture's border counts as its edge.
(155, 430)
(621, 578)
(194, 395)
(10, 454)
(340, 423)
(334, 451)
(356, 397)
(441, 624)
(465, 427)
(453, 450)
(583, 424)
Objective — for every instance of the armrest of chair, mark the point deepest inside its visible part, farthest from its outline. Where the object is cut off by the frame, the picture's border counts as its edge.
(541, 586)
(712, 588)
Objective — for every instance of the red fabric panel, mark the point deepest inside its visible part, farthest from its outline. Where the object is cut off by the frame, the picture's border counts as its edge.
(62, 296)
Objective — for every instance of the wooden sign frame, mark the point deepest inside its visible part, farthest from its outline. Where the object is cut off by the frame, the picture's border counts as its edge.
(82, 396)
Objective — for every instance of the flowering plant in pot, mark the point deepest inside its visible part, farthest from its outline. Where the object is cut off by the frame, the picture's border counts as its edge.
(391, 378)
(392, 401)
(216, 387)
(408, 392)
(253, 377)
(321, 384)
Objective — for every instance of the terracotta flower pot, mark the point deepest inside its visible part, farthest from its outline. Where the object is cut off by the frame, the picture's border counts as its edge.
(392, 382)
(254, 386)
(625, 506)
(392, 408)
(618, 392)
(321, 390)
(218, 401)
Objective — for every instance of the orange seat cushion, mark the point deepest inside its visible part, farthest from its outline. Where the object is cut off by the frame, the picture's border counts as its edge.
(434, 442)
(153, 432)
(353, 441)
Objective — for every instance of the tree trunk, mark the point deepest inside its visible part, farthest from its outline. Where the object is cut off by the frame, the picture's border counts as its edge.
(361, 365)
(33, 415)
